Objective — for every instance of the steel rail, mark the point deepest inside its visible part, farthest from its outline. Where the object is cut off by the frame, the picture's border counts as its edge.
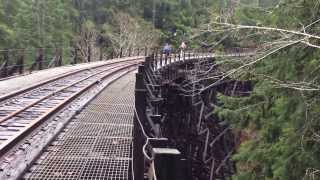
(16, 93)
(24, 131)
(11, 115)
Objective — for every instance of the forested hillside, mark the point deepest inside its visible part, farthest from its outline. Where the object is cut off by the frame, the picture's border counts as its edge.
(279, 121)
(42, 23)
(112, 24)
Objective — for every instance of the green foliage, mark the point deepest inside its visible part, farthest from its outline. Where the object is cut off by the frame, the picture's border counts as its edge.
(281, 122)
(37, 23)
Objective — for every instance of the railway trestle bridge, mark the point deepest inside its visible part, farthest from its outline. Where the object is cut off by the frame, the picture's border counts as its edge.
(144, 116)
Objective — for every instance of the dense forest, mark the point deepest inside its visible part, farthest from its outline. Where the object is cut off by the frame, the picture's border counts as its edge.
(279, 120)
(110, 24)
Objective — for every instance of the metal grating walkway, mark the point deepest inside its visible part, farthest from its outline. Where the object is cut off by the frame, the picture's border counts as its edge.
(97, 143)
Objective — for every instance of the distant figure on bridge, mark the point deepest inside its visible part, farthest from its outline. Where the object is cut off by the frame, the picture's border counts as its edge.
(167, 49)
(183, 47)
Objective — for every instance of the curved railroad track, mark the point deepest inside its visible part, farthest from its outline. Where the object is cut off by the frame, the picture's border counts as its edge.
(23, 111)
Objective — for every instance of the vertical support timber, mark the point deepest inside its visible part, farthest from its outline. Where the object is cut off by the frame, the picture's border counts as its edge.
(40, 58)
(4, 66)
(20, 62)
(89, 53)
(60, 57)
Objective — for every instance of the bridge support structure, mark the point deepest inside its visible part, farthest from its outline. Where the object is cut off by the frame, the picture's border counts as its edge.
(150, 151)
(186, 120)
